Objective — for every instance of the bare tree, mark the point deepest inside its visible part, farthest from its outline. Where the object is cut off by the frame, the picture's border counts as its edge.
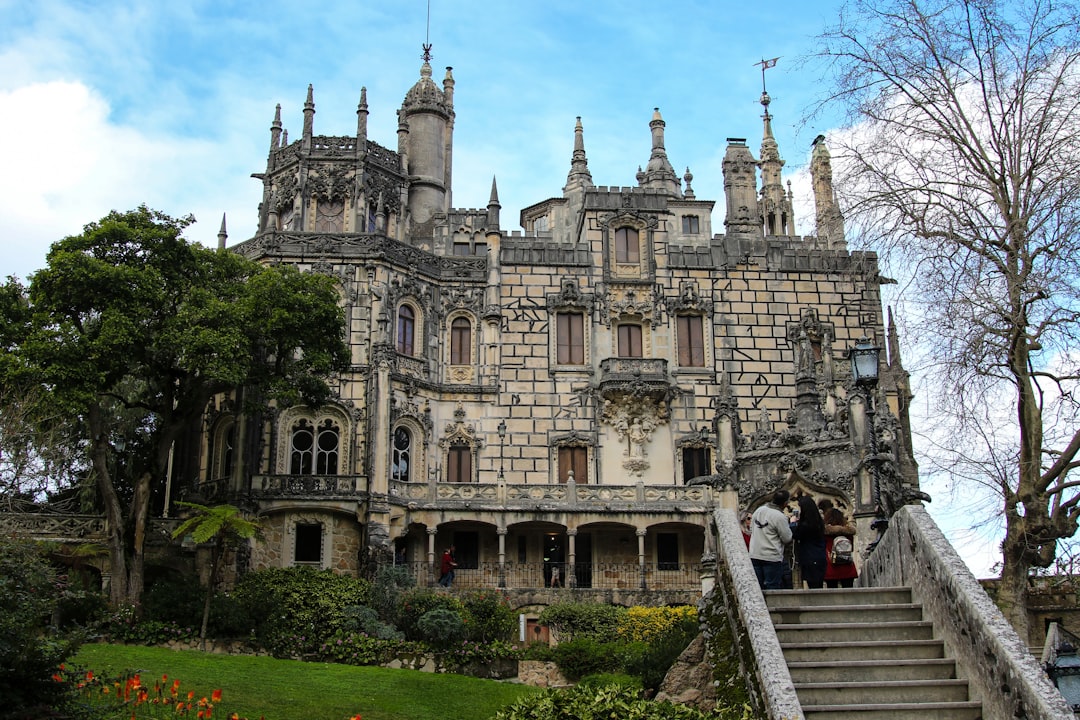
(961, 162)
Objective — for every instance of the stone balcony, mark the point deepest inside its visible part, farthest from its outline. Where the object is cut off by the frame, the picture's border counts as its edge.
(634, 376)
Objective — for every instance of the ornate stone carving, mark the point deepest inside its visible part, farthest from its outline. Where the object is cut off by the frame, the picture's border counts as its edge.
(570, 296)
(618, 302)
(689, 300)
(330, 182)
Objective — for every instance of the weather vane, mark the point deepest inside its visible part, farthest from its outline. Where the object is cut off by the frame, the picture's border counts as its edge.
(427, 34)
(765, 65)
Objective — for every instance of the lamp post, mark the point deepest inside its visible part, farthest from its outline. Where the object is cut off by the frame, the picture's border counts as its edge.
(865, 357)
(502, 438)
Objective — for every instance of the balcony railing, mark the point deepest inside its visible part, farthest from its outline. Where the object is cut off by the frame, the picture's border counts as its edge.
(582, 576)
(49, 526)
(338, 486)
(568, 495)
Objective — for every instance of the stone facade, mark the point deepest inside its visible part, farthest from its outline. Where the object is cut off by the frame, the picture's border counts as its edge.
(562, 403)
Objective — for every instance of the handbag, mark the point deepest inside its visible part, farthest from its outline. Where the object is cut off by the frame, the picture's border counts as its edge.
(842, 551)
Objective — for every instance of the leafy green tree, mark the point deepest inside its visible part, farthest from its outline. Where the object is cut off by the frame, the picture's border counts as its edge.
(961, 163)
(224, 526)
(132, 329)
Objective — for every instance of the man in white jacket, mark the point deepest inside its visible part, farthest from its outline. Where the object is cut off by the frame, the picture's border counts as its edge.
(770, 531)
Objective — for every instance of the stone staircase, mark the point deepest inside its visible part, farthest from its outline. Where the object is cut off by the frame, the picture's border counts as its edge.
(866, 654)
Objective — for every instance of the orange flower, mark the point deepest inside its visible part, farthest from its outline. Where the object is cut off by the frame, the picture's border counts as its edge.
(89, 674)
(57, 678)
(215, 696)
(191, 695)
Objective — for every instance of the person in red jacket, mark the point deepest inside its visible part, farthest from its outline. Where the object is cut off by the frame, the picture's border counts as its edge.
(837, 572)
(446, 567)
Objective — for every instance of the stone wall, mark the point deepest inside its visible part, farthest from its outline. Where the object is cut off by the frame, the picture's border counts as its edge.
(1001, 672)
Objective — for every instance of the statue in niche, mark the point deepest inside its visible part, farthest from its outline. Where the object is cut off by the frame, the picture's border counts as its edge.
(638, 438)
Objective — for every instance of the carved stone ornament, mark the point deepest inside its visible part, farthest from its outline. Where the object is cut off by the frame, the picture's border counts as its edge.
(621, 302)
(462, 298)
(570, 297)
(689, 300)
(330, 182)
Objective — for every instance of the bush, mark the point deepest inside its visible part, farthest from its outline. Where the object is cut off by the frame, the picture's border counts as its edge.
(586, 656)
(415, 603)
(595, 703)
(622, 680)
(571, 620)
(471, 653)
(646, 624)
(30, 651)
(488, 616)
(441, 627)
(292, 611)
(172, 597)
(353, 648)
(390, 581)
(364, 619)
(651, 660)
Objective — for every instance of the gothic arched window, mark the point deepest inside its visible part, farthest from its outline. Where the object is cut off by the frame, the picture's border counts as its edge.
(401, 455)
(460, 342)
(406, 330)
(326, 448)
(301, 448)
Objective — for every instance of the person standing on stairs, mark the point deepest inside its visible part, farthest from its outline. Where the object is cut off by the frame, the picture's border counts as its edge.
(769, 533)
(809, 533)
(840, 570)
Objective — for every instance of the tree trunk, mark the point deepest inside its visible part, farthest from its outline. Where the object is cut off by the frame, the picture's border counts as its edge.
(114, 514)
(215, 558)
(1012, 594)
(140, 511)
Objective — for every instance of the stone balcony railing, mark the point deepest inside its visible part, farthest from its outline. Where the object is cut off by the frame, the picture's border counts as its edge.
(56, 527)
(639, 376)
(582, 576)
(300, 486)
(567, 496)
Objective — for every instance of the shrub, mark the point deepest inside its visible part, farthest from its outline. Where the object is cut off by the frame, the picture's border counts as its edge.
(472, 653)
(364, 619)
(586, 656)
(441, 627)
(489, 616)
(30, 652)
(571, 620)
(414, 603)
(390, 581)
(354, 648)
(622, 680)
(650, 661)
(646, 624)
(173, 597)
(595, 703)
(292, 611)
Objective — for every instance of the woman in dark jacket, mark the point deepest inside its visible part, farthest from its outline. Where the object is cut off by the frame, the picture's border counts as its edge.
(809, 534)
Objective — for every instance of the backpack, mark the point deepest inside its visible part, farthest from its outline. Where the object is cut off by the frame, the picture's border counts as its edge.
(841, 551)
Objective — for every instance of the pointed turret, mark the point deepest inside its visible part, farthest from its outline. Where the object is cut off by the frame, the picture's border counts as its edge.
(775, 205)
(275, 130)
(830, 221)
(361, 120)
(579, 176)
(425, 138)
(658, 173)
(309, 117)
(493, 207)
(222, 235)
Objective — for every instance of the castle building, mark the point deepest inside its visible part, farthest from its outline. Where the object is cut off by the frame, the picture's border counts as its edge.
(567, 403)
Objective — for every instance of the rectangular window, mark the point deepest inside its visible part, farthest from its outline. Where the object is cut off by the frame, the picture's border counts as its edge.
(308, 550)
(690, 225)
(695, 463)
(462, 249)
(691, 341)
(459, 464)
(667, 551)
(626, 245)
(630, 341)
(467, 549)
(570, 329)
(574, 459)
(460, 342)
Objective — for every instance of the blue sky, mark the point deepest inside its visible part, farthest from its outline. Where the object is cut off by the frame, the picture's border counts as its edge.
(108, 105)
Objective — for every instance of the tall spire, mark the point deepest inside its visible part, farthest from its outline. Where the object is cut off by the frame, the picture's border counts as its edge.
(493, 207)
(830, 221)
(579, 176)
(223, 235)
(776, 210)
(658, 173)
(362, 116)
(309, 116)
(275, 129)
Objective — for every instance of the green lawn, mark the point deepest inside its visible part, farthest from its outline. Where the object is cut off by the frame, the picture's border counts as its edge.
(293, 690)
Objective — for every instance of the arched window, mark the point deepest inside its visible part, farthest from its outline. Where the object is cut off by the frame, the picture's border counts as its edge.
(326, 448)
(460, 342)
(401, 457)
(629, 340)
(626, 245)
(302, 447)
(406, 329)
(226, 448)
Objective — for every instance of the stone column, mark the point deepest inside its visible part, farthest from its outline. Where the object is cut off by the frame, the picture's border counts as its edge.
(571, 557)
(502, 556)
(641, 556)
(431, 533)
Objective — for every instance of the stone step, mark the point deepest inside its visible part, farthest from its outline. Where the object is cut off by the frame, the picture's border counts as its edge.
(863, 650)
(891, 691)
(862, 631)
(896, 711)
(872, 670)
(816, 614)
(837, 596)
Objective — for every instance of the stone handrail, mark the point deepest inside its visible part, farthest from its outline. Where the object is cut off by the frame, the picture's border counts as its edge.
(306, 485)
(575, 495)
(50, 526)
(1000, 670)
(749, 616)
